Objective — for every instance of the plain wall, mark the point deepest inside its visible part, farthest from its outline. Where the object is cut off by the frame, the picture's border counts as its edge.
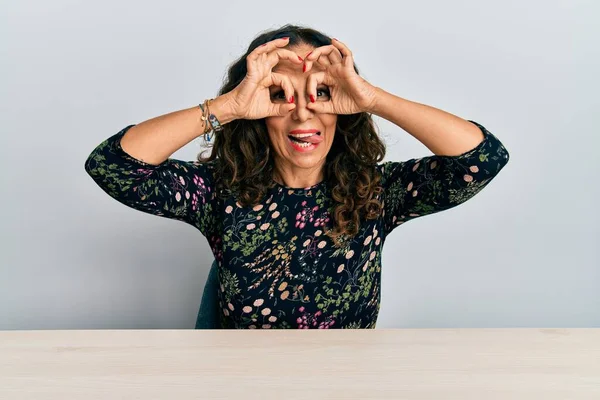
(522, 253)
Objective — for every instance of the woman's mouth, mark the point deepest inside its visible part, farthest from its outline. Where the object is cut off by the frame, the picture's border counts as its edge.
(304, 142)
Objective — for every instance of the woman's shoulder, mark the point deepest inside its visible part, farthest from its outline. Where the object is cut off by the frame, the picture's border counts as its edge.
(200, 172)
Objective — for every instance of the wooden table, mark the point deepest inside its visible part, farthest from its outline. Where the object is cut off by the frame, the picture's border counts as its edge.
(480, 364)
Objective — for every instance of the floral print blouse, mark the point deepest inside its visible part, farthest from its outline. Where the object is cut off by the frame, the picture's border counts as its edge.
(277, 268)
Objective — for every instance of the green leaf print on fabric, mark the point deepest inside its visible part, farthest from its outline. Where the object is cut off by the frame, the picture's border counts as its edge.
(230, 285)
(250, 228)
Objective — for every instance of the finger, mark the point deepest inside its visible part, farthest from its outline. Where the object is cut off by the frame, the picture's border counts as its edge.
(327, 51)
(324, 61)
(276, 56)
(333, 54)
(321, 107)
(345, 51)
(257, 57)
(312, 82)
(314, 79)
(311, 85)
(269, 46)
(285, 83)
(335, 57)
(283, 109)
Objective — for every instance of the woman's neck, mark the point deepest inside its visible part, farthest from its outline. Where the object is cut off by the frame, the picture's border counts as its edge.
(298, 179)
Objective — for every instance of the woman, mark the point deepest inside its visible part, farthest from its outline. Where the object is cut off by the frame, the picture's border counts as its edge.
(293, 199)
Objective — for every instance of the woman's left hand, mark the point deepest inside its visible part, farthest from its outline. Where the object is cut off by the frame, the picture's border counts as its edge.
(350, 93)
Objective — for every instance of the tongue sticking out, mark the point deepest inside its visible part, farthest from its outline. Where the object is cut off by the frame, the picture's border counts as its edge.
(310, 139)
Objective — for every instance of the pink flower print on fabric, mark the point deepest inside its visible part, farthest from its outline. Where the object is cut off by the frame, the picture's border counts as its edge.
(314, 321)
(307, 215)
(203, 190)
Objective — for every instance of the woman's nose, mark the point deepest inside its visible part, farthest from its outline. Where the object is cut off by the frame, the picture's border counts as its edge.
(301, 112)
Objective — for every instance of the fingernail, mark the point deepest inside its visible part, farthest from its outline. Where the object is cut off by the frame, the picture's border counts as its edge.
(263, 45)
(300, 58)
(312, 98)
(335, 39)
(285, 38)
(308, 54)
(292, 99)
(304, 68)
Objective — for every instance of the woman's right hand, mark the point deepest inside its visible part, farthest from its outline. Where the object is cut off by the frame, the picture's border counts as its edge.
(251, 99)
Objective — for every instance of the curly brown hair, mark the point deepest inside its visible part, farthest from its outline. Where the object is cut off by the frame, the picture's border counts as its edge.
(246, 164)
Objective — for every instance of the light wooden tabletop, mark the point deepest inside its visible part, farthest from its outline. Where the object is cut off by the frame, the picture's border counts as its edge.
(289, 364)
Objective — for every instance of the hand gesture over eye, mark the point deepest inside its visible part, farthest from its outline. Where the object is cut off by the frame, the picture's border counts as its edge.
(251, 98)
(349, 92)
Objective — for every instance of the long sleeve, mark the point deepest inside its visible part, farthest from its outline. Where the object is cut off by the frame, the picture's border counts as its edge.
(174, 189)
(422, 186)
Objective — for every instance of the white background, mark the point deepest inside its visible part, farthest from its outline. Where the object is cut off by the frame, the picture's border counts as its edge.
(522, 253)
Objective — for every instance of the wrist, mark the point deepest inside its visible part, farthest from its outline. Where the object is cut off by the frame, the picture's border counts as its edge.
(374, 107)
(222, 108)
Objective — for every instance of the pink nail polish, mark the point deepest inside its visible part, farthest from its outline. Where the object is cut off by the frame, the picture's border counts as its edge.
(304, 68)
(312, 98)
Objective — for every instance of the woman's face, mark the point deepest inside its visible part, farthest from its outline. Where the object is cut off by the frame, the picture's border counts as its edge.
(291, 155)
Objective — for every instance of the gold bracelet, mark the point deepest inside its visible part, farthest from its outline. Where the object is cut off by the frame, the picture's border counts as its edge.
(212, 118)
(204, 117)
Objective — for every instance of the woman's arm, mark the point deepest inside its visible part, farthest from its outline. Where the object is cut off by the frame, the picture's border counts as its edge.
(423, 186)
(441, 132)
(467, 157)
(132, 166)
(154, 140)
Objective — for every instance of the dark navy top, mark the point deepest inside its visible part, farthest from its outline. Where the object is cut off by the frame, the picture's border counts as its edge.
(277, 268)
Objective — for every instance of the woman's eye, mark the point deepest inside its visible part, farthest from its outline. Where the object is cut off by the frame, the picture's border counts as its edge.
(324, 91)
(278, 95)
